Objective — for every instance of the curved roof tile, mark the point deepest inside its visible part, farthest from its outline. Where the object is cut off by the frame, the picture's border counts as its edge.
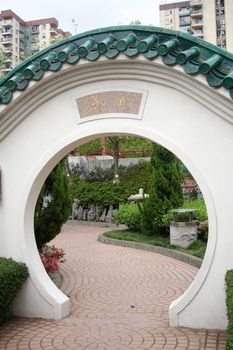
(196, 56)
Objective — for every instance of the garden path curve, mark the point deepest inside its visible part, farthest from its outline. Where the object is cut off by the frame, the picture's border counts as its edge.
(119, 300)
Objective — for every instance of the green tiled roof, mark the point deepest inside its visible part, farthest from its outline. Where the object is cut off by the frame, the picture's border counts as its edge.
(196, 56)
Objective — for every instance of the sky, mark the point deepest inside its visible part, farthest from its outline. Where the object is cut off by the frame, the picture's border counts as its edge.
(87, 14)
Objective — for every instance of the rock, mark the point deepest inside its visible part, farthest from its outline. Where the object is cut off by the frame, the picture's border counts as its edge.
(80, 213)
(103, 216)
(85, 214)
(75, 207)
(109, 215)
(98, 213)
(91, 214)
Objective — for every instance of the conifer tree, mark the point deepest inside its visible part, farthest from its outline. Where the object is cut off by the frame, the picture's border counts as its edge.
(49, 219)
(164, 189)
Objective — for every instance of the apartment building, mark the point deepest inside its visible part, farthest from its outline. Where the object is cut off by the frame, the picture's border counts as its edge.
(211, 20)
(19, 38)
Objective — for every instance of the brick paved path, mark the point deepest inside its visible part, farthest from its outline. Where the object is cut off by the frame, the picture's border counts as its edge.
(119, 300)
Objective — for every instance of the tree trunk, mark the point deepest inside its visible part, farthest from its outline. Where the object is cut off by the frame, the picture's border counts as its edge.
(116, 150)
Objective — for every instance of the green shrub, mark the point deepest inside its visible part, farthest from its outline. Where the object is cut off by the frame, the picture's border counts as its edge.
(164, 189)
(48, 219)
(106, 193)
(203, 230)
(129, 215)
(199, 204)
(229, 302)
(12, 276)
(200, 214)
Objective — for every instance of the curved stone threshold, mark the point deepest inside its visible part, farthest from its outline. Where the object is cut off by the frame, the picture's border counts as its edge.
(175, 254)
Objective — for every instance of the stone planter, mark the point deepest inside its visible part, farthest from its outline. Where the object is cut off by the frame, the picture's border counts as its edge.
(183, 234)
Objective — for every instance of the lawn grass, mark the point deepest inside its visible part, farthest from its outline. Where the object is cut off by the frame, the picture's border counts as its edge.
(197, 248)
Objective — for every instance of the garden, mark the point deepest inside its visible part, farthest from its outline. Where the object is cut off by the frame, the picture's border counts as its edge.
(146, 221)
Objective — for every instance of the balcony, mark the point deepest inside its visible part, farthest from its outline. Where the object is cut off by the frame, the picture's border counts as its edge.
(185, 23)
(53, 31)
(35, 30)
(8, 59)
(198, 33)
(184, 12)
(221, 43)
(8, 50)
(197, 23)
(196, 13)
(34, 38)
(185, 29)
(7, 40)
(220, 26)
(6, 23)
(7, 32)
(8, 67)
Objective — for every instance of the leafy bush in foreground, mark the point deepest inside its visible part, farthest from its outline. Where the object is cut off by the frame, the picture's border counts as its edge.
(51, 257)
(12, 276)
(229, 302)
(49, 219)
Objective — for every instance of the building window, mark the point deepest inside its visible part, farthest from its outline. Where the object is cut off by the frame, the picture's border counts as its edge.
(168, 12)
(35, 28)
(168, 21)
(184, 21)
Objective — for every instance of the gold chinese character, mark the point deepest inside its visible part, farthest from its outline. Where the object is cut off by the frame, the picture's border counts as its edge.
(122, 104)
(95, 103)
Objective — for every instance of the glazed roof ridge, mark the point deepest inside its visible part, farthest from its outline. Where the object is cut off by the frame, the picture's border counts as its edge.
(195, 55)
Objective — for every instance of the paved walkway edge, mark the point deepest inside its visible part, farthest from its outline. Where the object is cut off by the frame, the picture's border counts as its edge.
(175, 254)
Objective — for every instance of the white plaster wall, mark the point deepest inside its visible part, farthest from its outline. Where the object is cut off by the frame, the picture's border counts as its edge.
(180, 113)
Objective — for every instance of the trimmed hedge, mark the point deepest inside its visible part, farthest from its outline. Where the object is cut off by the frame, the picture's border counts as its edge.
(12, 276)
(229, 302)
(106, 193)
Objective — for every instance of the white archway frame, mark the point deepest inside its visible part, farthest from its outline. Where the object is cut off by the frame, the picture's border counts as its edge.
(40, 106)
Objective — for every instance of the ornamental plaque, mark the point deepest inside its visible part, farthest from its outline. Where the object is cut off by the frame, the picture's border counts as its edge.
(109, 102)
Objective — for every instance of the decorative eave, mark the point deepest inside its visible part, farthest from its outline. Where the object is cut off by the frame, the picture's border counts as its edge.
(195, 55)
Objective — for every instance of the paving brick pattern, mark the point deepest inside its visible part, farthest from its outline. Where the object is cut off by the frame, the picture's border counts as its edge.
(119, 300)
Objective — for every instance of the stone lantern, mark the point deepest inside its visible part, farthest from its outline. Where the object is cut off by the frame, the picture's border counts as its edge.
(139, 196)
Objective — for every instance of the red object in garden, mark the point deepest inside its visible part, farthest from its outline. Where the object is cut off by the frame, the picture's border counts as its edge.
(51, 257)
